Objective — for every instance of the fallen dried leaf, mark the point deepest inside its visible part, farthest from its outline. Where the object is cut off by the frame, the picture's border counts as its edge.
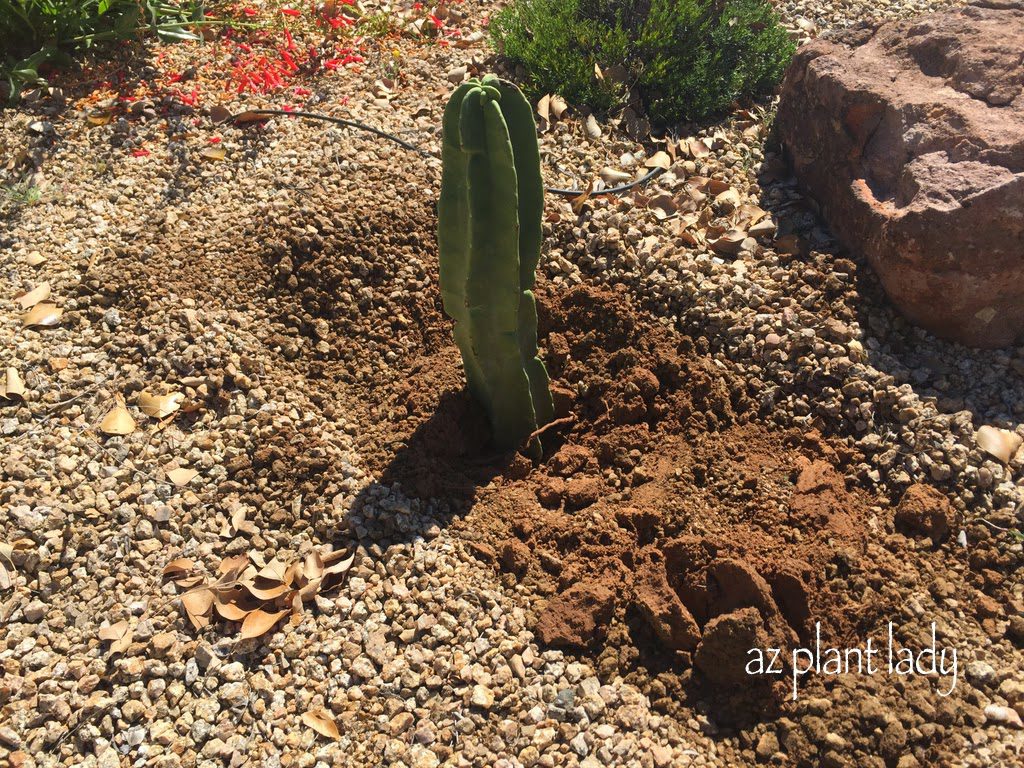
(118, 420)
(119, 636)
(337, 563)
(218, 113)
(182, 475)
(29, 299)
(322, 722)
(558, 106)
(260, 622)
(696, 148)
(729, 243)
(42, 315)
(198, 605)
(216, 152)
(159, 406)
(591, 128)
(35, 258)
(178, 568)
(999, 443)
(544, 111)
(313, 567)
(234, 563)
(13, 386)
(274, 570)
(580, 200)
(659, 160)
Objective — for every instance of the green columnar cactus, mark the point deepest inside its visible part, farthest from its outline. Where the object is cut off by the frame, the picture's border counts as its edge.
(489, 236)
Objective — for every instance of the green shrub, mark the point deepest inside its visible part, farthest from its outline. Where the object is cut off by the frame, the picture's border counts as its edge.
(35, 32)
(689, 58)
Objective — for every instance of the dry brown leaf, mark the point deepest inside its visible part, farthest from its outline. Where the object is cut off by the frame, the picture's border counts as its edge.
(114, 631)
(274, 570)
(663, 205)
(118, 421)
(182, 475)
(293, 574)
(544, 111)
(13, 386)
(591, 128)
(5, 577)
(579, 201)
(159, 406)
(717, 186)
(659, 160)
(728, 200)
(337, 563)
(219, 113)
(100, 117)
(259, 622)
(119, 636)
(763, 228)
(233, 563)
(216, 152)
(198, 605)
(249, 116)
(322, 722)
(1001, 444)
(311, 590)
(178, 568)
(313, 567)
(267, 591)
(234, 604)
(297, 611)
(558, 106)
(29, 299)
(729, 243)
(697, 148)
(35, 258)
(44, 315)
(597, 72)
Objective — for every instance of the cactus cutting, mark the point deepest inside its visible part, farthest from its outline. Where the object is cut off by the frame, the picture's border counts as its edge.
(489, 237)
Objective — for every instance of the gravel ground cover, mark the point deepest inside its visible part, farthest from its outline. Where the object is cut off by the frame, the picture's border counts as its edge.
(288, 292)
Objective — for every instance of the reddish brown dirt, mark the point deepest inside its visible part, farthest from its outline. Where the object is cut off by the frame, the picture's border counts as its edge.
(657, 500)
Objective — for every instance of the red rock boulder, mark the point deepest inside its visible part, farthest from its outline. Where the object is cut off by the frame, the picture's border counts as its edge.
(910, 136)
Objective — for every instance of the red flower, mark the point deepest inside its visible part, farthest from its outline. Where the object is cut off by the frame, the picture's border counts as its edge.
(417, 6)
(250, 12)
(287, 108)
(299, 91)
(291, 12)
(140, 153)
(214, 139)
(436, 21)
(332, 64)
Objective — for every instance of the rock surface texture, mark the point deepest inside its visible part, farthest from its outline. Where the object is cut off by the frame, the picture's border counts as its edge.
(910, 135)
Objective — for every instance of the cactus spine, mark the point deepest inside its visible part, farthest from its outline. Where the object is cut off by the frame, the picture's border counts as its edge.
(489, 236)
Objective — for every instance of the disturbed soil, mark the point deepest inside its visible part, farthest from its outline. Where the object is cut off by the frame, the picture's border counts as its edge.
(751, 451)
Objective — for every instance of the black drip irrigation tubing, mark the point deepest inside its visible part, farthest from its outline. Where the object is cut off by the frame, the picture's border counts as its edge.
(573, 193)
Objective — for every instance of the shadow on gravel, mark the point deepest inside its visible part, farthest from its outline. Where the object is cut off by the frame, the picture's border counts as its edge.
(987, 383)
(443, 462)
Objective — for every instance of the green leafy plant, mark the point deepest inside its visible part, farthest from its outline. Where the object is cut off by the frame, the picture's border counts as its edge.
(489, 236)
(38, 32)
(690, 59)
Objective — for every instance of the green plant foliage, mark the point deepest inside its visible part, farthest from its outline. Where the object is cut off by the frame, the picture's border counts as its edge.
(489, 237)
(38, 32)
(690, 59)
